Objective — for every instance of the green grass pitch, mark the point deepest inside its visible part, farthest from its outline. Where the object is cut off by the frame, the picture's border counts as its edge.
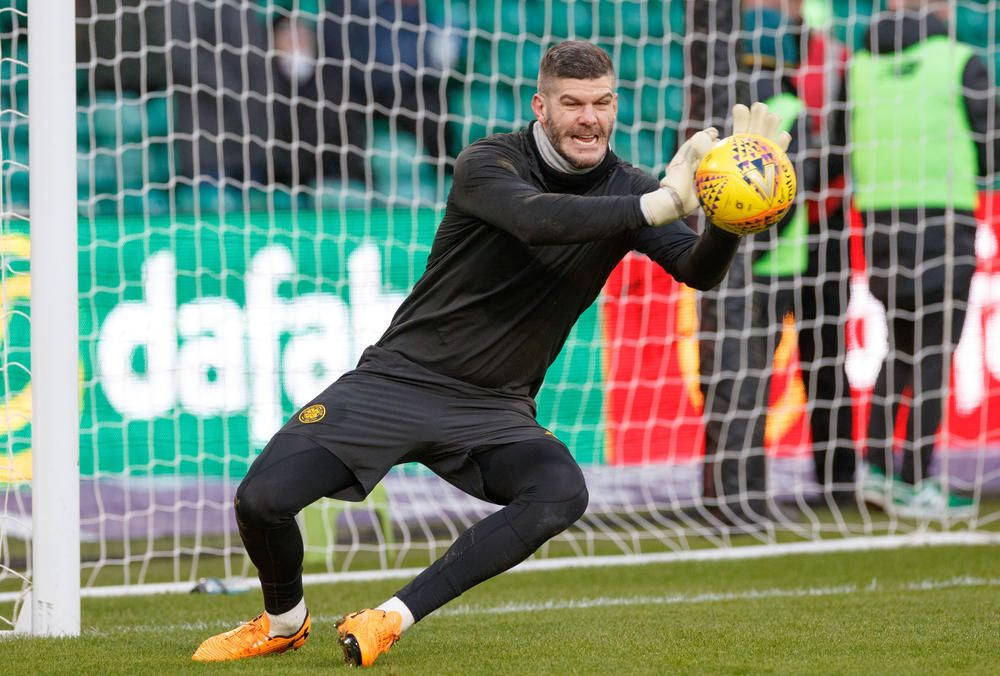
(925, 610)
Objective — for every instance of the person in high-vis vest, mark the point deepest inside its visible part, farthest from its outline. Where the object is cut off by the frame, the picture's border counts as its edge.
(919, 104)
(790, 271)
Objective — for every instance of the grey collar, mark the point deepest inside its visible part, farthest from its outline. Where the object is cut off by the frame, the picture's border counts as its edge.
(551, 155)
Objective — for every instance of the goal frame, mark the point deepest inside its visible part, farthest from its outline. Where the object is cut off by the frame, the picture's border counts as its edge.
(52, 606)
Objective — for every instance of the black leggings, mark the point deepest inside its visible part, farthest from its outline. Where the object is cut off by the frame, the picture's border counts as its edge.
(538, 481)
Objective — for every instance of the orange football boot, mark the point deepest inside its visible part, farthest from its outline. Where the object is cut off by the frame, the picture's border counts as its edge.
(366, 634)
(250, 639)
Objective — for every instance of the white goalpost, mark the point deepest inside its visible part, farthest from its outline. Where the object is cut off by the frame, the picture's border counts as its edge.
(49, 533)
(229, 200)
(54, 608)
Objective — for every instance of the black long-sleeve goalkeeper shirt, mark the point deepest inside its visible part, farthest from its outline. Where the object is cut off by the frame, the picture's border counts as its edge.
(522, 251)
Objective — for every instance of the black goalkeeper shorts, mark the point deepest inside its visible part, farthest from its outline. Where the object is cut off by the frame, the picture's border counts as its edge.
(390, 410)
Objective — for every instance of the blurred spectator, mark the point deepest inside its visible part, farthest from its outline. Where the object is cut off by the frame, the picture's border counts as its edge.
(284, 92)
(318, 133)
(826, 283)
(914, 177)
(396, 57)
(777, 272)
(824, 59)
(218, 77)
(280, 94)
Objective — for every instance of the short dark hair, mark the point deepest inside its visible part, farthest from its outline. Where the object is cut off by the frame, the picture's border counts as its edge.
(574, 59)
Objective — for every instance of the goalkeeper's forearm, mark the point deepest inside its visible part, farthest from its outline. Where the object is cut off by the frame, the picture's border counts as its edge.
(706, 263)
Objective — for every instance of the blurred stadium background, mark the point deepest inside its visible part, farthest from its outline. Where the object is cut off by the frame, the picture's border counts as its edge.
(258, 187)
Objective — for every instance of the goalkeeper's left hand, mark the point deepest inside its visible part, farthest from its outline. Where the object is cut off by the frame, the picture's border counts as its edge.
(757, 119)
(676, 197)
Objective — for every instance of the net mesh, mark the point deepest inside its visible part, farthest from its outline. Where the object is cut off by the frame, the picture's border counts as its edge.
(15, 289)
(259, 186)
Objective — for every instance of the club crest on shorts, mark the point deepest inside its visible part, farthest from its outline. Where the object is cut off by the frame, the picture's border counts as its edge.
(311, 414)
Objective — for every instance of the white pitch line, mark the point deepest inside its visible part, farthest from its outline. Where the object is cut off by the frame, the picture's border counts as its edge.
(852, 544)
(602, 602)
(713, 597)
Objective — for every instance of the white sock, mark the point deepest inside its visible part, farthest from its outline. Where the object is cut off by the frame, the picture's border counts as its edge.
(400, 607)
(289, 622)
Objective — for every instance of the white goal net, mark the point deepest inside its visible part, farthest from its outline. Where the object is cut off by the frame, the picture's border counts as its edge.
(259, 184)
(15, 415)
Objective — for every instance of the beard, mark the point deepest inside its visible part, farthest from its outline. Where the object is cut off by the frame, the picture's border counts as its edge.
(558, 135)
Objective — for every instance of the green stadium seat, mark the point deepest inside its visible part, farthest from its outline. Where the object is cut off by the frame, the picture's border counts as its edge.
(675, 103)
(161, 198)
(335, 195)
(101, 206)
(132, 164)
(14, 16)
(153, 203)
(111, 121)
(206, 197)
(647, 149)
(534, 18)
(277, 198)
(14, 151)
(97, 173)
(625, 19)
(311, 7)
(652, 103)
(560, 23)
(656, 61)
(496, 16)
(157, 111)
(433, 188)
(676, 61)
(158, 162)
(626, 106)
(623, 145)
(497, 57)
(582, 18)
(972, 25)
(110, 172)
(851, 21)
(531, 59)
(286, 200)
(14, 75)
(647, 64)
(13, 132)
(101, 119)
(454, 11)
(523, 94)
(83, 128)
(490, 109)
(635, 20)
(397, 172)
(663, 18)
(510, 58)
(115, 120)
(82, 81)
(482, 54)
(15, 188)
(626, 60)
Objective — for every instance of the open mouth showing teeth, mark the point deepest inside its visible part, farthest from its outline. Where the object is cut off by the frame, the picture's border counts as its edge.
(586, 140)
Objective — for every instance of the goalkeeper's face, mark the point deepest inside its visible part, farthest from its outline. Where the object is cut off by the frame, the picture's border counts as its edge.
(578, 116)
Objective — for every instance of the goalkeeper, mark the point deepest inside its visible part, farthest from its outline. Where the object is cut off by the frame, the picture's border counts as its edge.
(535, 222)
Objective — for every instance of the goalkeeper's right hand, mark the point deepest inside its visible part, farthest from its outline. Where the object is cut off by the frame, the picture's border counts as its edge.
(676, 197)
